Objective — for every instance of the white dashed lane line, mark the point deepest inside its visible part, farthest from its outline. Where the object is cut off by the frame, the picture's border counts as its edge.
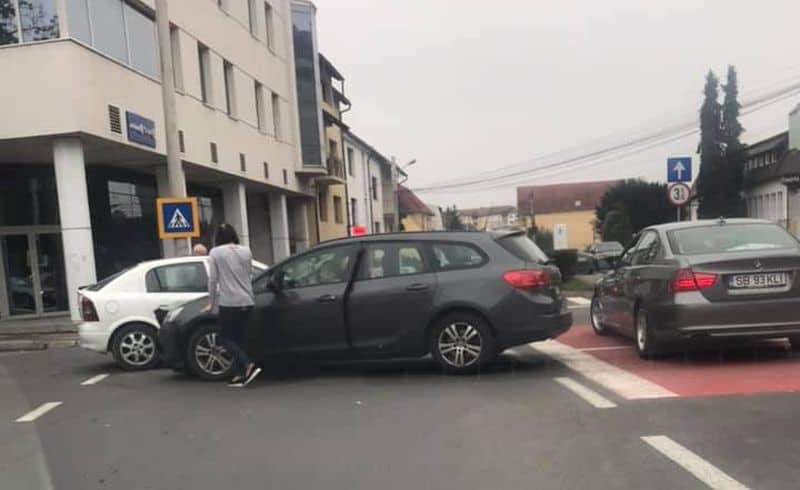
(38, 412)
(590, 396)
(576, 302)
(94, 380)
(694, 464)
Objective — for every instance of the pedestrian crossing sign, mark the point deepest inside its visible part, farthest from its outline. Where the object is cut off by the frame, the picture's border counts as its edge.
(178, 217)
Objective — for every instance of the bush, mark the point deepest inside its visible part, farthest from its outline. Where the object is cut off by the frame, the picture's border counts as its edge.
(567, 262)
(543, 238)
(617, 227)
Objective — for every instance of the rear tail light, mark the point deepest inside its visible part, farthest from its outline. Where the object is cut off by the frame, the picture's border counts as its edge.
(88, 311)
(687, 280)
(527, 279)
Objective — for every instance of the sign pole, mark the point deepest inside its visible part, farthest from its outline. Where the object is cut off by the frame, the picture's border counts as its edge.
(678, 210)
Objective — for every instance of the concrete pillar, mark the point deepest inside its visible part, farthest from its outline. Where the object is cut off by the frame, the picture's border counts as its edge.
(300, 226)
(179, 247)
(279, 224)
(234, 200)
(76, 225)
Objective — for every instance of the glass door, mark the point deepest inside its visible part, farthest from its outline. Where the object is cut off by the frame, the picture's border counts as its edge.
(50, 265)
(18, 274)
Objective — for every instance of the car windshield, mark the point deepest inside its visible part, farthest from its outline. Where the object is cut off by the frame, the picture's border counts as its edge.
(523, 248)
(730, 238)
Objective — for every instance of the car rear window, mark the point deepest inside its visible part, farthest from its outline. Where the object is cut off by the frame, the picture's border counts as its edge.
(523, 248)
(610, 247)
(730, 238)
(454, 256)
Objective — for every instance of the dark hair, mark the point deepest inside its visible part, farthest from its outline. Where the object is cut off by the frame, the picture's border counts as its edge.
(225, 234)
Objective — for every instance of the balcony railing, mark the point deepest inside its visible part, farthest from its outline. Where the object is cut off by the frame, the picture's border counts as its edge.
(336, 168)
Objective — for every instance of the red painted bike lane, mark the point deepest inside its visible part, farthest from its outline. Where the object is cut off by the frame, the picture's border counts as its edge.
(760, 367)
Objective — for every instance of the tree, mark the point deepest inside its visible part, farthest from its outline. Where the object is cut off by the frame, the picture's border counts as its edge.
(713, 179)
(617, 227)
(644, 204)
(452, 220)
(543, 238)
(734, 150)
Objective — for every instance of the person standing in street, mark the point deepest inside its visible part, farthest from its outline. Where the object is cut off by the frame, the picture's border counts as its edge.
(199, 250)
(230, 288)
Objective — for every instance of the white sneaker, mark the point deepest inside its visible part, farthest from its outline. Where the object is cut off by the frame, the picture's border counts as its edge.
(250, 377)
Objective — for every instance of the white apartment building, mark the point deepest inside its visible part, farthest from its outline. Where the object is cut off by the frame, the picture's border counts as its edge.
(82, 140)
(371, 182)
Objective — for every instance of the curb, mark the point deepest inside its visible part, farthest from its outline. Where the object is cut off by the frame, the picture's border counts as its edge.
(22, 345)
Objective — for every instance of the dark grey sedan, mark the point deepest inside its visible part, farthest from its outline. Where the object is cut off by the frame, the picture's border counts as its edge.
(703, 280)
(462, 297)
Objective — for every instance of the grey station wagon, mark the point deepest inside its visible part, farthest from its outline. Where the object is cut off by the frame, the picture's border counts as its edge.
(703, 280)
(461, 297)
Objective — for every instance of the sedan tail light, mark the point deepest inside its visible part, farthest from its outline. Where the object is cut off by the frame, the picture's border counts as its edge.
(88, 311)
(527, 279)
(687, 280)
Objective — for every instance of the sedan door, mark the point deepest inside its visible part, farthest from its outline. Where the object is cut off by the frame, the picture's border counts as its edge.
(391, 299)
(612, 291)
(171, 285)
(306, 311)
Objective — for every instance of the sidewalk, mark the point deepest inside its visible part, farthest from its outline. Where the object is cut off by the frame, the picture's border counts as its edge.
(37, 334)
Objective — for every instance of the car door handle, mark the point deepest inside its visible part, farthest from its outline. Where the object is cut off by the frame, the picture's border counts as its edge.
(326, 298)
(417, 287)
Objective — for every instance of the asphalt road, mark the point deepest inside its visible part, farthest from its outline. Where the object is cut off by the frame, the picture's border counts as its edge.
(390, 425)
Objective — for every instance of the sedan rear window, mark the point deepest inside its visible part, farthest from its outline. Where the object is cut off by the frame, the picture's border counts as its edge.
(105, 282)
(523, 248)
(730, 238)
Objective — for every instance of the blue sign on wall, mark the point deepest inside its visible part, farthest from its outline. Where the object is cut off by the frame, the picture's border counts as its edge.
(140, 129)
(679, 169)
(178, 217)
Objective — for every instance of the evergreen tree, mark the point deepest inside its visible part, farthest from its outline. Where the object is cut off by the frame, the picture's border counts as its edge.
(617, 227)
(734, 150)
(452, 220)
(712, 179)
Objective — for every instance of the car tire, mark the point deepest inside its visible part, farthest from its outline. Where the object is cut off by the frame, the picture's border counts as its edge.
(594, 317)
(135, 347)
(643, 336)
(205, 357)
(462, 342)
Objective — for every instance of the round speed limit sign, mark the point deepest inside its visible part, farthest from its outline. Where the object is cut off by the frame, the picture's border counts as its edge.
(678, 194)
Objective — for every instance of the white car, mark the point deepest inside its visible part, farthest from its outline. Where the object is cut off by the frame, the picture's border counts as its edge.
(118, 313)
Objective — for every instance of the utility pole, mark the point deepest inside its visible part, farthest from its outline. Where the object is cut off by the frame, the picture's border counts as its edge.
(175, 176)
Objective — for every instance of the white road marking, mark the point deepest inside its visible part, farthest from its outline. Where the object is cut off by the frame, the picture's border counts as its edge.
(579, 300)
(94, 380)
(35, 414)
(592, 397)
(623, 383)
(694, 464)
(607, 347)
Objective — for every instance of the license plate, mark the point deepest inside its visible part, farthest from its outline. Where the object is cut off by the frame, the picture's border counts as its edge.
(758, 281)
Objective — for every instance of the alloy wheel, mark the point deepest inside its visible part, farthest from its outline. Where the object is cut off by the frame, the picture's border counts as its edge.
(594, 311)
(211, 356)
(460, 344)
(137, 348)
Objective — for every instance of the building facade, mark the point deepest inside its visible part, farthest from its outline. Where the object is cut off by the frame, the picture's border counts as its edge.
(415, 215)
(82, 151)
(772, 177)
(568, 207)
(371, 182)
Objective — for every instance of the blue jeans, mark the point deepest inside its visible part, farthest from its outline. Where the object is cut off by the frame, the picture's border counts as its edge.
(233, 322)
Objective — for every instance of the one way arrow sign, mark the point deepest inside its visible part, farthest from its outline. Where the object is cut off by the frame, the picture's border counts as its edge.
(679, 169)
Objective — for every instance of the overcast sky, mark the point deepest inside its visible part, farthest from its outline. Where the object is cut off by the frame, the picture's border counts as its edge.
(467, 86)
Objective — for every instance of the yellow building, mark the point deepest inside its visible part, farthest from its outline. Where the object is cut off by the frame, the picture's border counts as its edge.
(415, 215)
(568, 208)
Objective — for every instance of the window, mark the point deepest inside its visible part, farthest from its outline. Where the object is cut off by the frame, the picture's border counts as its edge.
(377, 227)
(142, 43)
(266, 170)
(268, 24)
(204, 60)
(259, 90)
(354, 210)
(181, 142)
(285, 177)
(390, 260)
(327, 266)
(647, 249)
(108, 28)
(37, 18)
(450, 256)
(178, 278)
(175, 45)
(337, 209)
(78, 20)
(242, 162)
(730, 238)
(214, 154)
(350, 163)
(230, 87)
(276, 115)
(374, 188)
(323, 206)
(251, 16)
